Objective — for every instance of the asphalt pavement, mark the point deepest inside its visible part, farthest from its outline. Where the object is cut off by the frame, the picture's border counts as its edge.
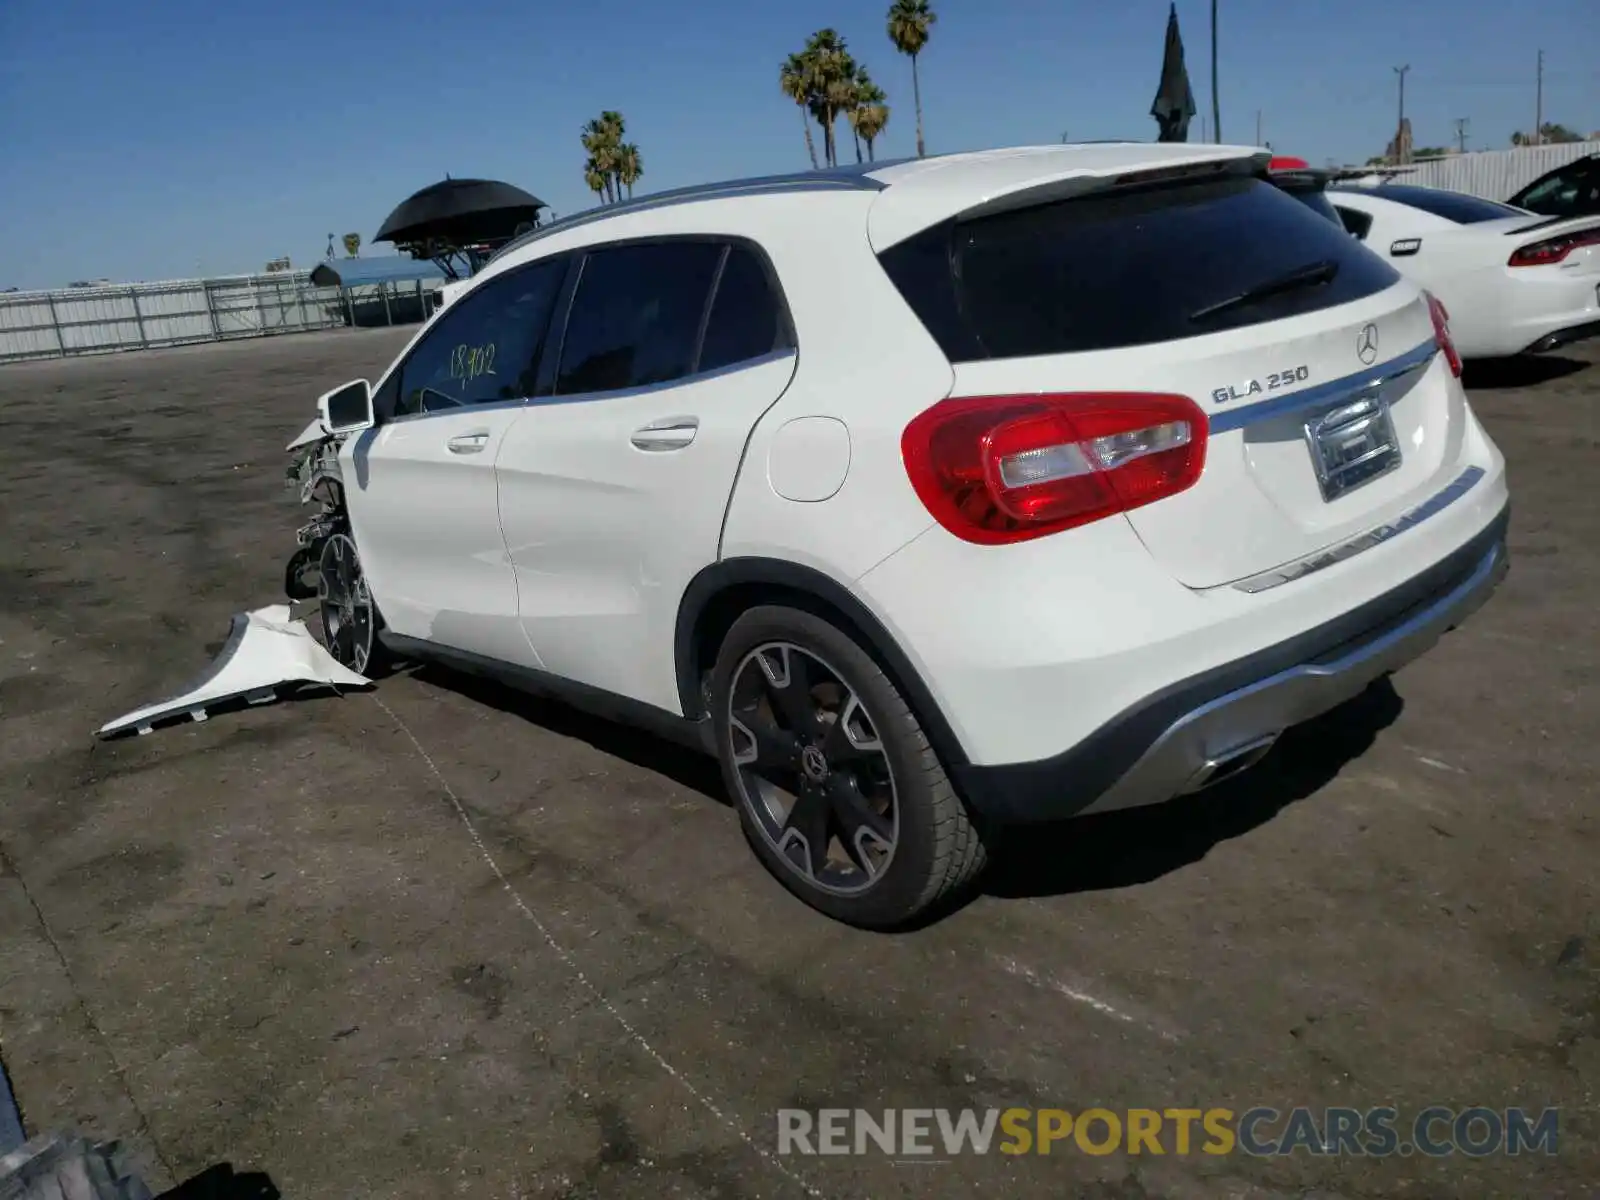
(441, 939)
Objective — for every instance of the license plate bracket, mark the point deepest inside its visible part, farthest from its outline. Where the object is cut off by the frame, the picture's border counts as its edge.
(1352, 444)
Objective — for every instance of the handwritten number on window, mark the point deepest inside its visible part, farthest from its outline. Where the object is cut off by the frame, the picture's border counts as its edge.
(472, 362)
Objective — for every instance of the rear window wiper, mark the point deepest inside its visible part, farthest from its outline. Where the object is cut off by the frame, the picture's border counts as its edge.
(1310, 275)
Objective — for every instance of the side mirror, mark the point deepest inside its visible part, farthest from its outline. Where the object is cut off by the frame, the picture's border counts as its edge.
(347, 409)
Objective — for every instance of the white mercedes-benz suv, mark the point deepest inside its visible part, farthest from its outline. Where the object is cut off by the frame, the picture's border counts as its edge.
(931, 497)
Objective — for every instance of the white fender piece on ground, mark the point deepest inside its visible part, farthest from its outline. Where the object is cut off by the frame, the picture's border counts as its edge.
(266, 650)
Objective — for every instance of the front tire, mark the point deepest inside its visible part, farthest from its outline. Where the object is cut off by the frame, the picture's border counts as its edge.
(350, 619)
(838, 790)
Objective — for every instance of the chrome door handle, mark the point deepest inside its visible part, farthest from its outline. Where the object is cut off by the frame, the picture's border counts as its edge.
(468, 443)
(673, 433)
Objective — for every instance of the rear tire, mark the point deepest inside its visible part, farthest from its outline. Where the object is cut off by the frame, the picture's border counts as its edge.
(818, 747)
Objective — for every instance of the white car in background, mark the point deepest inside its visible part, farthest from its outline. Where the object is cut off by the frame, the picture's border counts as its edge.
(930, 496)
(1513, 282)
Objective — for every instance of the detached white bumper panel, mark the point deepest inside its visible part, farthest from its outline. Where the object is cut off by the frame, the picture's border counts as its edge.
(266, 650)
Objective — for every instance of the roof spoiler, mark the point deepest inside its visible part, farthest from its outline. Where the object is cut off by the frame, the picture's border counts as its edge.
(905, 209)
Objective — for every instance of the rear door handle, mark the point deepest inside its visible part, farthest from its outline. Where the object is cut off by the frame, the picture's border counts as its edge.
(469, 443)
(673, 433)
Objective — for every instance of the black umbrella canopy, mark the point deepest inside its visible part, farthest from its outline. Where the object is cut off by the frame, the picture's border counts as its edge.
(461, 212)
(1174, 103)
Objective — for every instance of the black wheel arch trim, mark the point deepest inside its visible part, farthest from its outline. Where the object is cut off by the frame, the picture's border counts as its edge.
(798, 580)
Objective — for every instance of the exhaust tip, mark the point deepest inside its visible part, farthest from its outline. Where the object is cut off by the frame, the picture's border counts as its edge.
(1230, 763)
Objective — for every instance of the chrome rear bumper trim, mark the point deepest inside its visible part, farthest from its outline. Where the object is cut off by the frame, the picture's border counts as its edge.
(1322, 559)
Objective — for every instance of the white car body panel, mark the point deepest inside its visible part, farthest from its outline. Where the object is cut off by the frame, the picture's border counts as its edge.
(1495, 309)
(265, 650)
(610, 507)
(566, 546)
(426, 518)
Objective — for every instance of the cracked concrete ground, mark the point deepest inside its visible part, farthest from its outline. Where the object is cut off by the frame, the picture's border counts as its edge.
(444, 940)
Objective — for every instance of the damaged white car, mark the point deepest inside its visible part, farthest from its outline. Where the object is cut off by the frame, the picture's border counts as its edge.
(993, 550)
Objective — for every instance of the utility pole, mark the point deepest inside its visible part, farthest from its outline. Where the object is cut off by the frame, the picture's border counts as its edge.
(1400, 126)
(1216, 101)
(1538, 105)
(1461, 134)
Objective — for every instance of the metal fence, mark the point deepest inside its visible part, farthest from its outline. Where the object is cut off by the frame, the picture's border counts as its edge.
(102, 319)
(1496, 174)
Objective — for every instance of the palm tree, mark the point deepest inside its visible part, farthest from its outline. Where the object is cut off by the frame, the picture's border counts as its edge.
(602, 138)
(630, 166)
(595, 178)
(794, 77)
(909, 24)
(832, 81)
(870, 115)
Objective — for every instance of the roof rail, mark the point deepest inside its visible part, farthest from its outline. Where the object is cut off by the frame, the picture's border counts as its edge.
(854, 178)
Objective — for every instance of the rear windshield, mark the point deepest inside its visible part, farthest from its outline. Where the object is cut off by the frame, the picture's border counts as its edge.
(1316, 199)
(1452, 206)
(1102, 272)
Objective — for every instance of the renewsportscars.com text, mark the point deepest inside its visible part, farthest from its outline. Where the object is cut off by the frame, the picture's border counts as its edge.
(1435, 1131)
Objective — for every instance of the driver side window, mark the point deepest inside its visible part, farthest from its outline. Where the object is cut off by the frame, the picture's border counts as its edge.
(485, 348)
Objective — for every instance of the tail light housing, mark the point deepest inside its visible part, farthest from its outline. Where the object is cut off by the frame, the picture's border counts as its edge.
(1441, 333)
(1552, 250)
(1000, 469)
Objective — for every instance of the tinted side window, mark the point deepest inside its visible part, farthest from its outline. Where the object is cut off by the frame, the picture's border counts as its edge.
(745, 320)
(486, 345)
(635, 318)
(1358, 223)
(1106, 271)
(1452, 206)
(1572, 192)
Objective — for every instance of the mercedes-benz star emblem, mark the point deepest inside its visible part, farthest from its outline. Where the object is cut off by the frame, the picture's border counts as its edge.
(1367, 344)
(814, 764)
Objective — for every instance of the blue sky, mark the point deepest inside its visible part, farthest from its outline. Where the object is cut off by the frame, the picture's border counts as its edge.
(158, 139)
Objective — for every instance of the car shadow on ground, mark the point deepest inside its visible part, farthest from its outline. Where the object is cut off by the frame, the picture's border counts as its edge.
(1123, 849)
(1528, 370)
(220, 1182)
(642, 748)
(1098, 853)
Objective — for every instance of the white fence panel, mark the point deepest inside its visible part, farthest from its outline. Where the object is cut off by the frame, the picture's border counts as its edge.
(1496, 174)
(95, 320)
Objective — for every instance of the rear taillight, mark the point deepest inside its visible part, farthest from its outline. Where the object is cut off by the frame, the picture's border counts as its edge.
(995, 469)
(1441, 333)
(1553, 250)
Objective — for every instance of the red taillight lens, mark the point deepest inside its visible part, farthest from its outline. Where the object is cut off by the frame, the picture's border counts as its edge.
(996, 469)
(1285, 162)
(1441, 333)
(1548, 253)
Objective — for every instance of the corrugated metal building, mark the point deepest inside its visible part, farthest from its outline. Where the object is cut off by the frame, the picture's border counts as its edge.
(1495, 174)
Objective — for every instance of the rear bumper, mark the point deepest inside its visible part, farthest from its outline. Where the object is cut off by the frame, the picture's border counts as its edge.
(1565, 337)
(1196, 731)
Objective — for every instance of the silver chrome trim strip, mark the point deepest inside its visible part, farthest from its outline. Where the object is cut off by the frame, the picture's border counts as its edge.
(583, 397)
(1369, 377)
(1410, 519)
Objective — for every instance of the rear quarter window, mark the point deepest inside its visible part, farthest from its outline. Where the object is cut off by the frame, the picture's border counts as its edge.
(1129, 269)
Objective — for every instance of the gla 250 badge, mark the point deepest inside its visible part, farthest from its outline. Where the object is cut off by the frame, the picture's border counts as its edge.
(1254, 387)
